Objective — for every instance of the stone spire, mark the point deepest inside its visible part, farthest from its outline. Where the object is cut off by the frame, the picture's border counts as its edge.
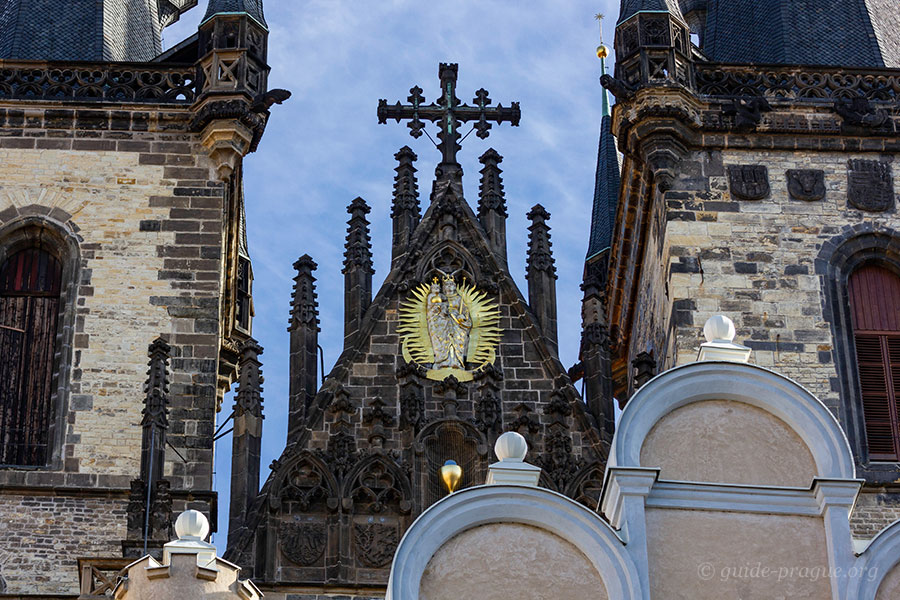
(251, 8)
(405, 210)
(247, 437)
(357, 269)
(492, 203)
(304, 330)
(541, 274)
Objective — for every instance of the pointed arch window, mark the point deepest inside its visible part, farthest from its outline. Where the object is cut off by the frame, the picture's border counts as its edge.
(30, 287)
(874, 293)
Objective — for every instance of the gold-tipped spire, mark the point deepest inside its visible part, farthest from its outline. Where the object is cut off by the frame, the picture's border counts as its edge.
(451, 474)
(602, 50)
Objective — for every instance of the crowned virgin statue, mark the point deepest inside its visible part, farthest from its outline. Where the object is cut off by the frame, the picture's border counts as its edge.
(449, 324)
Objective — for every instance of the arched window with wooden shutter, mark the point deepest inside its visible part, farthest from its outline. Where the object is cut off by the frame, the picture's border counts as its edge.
(30, 287)
(875, 304)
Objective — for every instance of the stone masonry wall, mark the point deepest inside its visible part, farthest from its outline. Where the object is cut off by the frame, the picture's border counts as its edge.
(136, 189)
(754, 261)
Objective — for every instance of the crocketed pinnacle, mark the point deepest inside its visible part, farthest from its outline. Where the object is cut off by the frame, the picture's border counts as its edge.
(491, 196)
(406, 187)
(304, 301)
(540, 255)
(358, 248)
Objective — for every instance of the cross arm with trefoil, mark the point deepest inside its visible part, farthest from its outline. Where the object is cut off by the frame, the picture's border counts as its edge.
(449, 113)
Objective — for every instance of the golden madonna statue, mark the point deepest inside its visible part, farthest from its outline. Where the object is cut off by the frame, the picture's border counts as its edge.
(448, 327)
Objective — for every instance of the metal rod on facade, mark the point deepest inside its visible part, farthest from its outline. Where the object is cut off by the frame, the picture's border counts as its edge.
(149, 486)
(321, 363)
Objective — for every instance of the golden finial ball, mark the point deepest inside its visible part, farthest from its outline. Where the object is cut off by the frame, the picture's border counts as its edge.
(602, 51)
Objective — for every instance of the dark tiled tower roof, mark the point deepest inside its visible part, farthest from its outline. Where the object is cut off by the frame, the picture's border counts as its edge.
(606, 185)
(252, 8)
(629, 8)
(96, 30)
(827, 32)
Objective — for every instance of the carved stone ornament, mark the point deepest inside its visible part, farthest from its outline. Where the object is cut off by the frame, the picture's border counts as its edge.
(748, 182)
(376, 543)
(449, 329)
(870, 186)
(302, 543)
(806, 184)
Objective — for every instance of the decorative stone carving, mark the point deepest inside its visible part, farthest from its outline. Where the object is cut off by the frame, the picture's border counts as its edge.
(307, 485)
(488, 414)
(748, 182)
(558, 406)
(747, 112)
(870, 186)
(302, 543)
(806, 184)
(377, 487)
(859, 112)
(375, 543)
(644, 368)
(557, 461)
(341, 453)
(525, 420)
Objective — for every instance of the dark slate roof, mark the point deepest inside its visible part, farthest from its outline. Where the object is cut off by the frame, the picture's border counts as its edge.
(631, 7)
(253, 8)
(606, 186)
(826, 32)
(95, 30)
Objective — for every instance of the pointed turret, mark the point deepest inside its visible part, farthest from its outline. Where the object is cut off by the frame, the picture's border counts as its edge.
(594, 352)
(232, 77)
(492, 203)
(653, 44)
(247, 439)
(405, 210)
(304, 330)
(541, 274)
(357, 269)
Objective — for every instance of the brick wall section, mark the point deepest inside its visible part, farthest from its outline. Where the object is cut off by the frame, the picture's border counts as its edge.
(137, 190)
(42, 525)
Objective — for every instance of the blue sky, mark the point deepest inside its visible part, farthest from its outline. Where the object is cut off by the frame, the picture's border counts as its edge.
(324, 147)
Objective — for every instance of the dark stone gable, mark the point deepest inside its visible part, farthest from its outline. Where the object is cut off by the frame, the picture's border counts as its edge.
(364, 461)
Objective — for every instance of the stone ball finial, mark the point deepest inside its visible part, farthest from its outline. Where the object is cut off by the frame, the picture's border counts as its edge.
(719, 329)
(192, 524)
(511, 446)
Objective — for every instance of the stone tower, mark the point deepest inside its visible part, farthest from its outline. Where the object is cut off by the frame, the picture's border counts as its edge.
(125, 281)
(437, 363)
(766, 194)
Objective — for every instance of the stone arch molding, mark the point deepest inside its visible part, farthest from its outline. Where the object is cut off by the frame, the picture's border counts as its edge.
(872, 567)
(738, 382)
(532, 506)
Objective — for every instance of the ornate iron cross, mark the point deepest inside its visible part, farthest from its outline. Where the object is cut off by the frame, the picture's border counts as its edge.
(449, 112)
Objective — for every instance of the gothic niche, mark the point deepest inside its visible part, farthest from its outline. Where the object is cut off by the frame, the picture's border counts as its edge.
(748, 182)
(443, 441)
(379, 492)
(806, 184)
(308, 487)
(870, 186)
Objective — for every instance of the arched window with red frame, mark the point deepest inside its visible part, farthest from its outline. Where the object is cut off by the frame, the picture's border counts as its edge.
(875, 305)
(30, 287)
